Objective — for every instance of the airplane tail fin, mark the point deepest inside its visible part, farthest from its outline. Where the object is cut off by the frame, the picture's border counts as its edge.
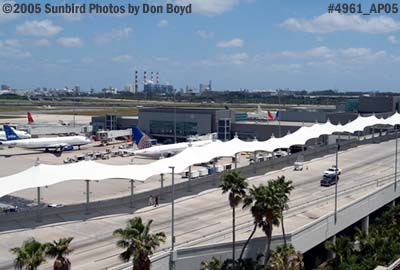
(30, 118)
(141, 139)
(10, 134)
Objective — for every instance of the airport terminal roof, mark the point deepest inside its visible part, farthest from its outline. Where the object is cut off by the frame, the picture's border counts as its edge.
(44, 175)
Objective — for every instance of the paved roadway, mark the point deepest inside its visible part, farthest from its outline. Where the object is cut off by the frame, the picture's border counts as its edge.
(205, 217)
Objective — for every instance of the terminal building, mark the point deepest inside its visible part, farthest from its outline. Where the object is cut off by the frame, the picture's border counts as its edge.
(167, 123)
(161, 123)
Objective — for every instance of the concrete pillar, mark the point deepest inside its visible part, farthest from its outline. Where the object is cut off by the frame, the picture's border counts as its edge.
(332, 254)
(365, 224)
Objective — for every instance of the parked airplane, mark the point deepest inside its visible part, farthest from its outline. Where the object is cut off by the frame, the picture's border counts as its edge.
(57, 144)
(20, 133)
(147, 149)
(262, 115)
(32, 122)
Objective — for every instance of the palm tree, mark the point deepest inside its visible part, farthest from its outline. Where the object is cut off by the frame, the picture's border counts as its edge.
(59, 250)
(138, 242)
(265, 208)
(236, 186)
(213, 264)
(285, 257)
(341, 249)
(29, 256)
(283, 189)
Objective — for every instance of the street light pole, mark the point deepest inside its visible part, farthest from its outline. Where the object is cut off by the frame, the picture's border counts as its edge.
(174, 117)
(336, 179)
(279, 120)
(172, 259)
(395, 164)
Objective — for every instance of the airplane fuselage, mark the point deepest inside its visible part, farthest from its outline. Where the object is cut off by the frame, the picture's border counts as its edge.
(168, 150)
(49, 143)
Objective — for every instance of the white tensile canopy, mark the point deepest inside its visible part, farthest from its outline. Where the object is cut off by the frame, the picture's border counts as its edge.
(42, 175)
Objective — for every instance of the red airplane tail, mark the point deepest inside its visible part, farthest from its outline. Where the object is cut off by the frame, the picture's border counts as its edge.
(30, 118)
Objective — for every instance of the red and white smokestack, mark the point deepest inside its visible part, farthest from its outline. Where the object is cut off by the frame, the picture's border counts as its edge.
(151, 76)
(136, 81)
(158, 78)
(145, 76)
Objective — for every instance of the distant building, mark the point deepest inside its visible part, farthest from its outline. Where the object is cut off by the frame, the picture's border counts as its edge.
(374, 104)
(77, 90)
(205, 87)
(191, 90)
(110, 90)
(5, 87)
(155, 88)
(129, 88)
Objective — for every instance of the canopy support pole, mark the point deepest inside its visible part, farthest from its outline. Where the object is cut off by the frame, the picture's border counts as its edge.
(162, 185)
(38, 212)
(214, 173)
(87, 197)
(255, 162)
(189, 187)
(132, 192)
(236, 161)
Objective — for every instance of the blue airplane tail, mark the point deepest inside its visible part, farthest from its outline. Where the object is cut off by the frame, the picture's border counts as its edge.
(141, 139)
(10, 134)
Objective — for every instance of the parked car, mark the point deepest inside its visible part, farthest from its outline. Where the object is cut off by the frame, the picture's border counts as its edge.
(55, 205)
(328, 180)
(333, 170)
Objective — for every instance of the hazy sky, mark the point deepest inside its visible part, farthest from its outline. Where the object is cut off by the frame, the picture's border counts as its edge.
(253, 44)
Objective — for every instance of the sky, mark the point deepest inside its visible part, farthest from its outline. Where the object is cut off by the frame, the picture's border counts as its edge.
(238, 44)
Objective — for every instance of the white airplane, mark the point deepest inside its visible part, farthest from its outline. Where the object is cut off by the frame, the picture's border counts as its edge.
(33, 123)
(262, 115)
(146, 148)
(57, 143)
(20, 133)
